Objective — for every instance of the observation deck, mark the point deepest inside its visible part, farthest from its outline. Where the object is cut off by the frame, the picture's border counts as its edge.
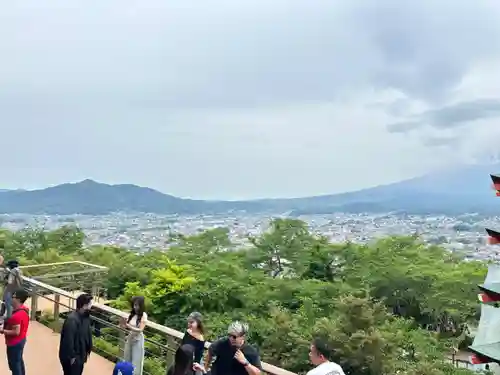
(53, 291)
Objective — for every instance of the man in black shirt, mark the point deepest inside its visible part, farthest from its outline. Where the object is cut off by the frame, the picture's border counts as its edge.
(76, 337)
(233, 356)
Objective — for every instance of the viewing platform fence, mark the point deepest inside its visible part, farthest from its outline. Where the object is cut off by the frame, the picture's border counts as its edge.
(50, 304)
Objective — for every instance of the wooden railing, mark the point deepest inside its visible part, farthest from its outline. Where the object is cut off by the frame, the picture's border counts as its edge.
(46, 299)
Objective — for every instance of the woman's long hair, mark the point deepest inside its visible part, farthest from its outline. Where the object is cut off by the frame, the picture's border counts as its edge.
(184, 358)
(139, 300)
(197, 317)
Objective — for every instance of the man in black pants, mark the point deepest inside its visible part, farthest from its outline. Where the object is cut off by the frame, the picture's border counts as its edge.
(233, 355)
(76, 337)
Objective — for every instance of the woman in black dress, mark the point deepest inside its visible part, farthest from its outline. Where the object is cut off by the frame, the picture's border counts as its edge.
(194, 335)
(183, 362)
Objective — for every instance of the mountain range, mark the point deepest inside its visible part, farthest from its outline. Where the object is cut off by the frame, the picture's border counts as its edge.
(464, 189)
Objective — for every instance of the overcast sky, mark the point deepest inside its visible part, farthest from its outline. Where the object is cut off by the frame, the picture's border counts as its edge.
(234, 99)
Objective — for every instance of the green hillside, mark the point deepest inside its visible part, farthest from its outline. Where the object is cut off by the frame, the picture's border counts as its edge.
(372, 302)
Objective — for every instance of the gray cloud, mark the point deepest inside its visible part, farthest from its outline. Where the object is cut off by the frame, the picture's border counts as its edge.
(451, 116)
(425, 55)
(403, 126)
(440, 141)
(460, 113)
(257, 53)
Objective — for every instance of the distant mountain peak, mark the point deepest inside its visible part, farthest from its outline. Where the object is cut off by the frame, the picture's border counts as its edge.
(460, 189)
(94, 198)
(88, 183)
(96, 184)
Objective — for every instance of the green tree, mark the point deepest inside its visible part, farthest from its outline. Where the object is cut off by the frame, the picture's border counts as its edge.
(167, 291)
(278, 251)
(68, 240)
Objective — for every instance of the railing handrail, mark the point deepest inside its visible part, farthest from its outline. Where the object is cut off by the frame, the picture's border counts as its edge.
(62, 263)
(268, 368)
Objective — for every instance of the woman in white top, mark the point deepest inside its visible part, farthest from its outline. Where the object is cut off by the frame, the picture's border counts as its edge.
(134, 344)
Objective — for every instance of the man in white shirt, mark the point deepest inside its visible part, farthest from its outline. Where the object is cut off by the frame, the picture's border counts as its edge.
(319, 355)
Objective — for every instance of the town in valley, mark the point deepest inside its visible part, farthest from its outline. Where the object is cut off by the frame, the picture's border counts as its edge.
(464, 234)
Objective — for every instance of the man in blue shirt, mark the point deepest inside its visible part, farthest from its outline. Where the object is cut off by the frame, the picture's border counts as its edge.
(123, 368)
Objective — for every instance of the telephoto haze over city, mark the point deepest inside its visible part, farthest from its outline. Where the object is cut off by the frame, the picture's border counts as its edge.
(464, 234)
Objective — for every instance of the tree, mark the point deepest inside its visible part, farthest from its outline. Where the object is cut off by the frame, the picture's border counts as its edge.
(167, 291)
(67, 240)
(207, 243)
(278, 251)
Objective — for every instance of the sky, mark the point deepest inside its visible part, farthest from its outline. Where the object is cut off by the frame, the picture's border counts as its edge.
(224, 99)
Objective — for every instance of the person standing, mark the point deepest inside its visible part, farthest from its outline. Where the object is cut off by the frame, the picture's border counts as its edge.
(13, 281)
(194, 335)
(76, 337)
(320, 356)
(233, 356)
(134, 344)
(15, 331)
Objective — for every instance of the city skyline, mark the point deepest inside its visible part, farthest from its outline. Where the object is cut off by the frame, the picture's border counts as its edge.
(224, 100)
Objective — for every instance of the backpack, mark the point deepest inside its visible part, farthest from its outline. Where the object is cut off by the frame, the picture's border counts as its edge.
(18, 280)
(16, 274)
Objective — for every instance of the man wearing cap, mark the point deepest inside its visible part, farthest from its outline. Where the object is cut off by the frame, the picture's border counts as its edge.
(233, 356)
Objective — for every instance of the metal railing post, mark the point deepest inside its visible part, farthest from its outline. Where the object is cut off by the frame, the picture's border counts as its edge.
(57, 303)
(95, 292)
(172, 345)
(34, 303)
(122, 337)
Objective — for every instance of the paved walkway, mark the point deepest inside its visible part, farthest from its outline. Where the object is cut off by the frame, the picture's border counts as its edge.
(41, 355)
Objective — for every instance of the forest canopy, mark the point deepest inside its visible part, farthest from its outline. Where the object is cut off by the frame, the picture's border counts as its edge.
(396, 305)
